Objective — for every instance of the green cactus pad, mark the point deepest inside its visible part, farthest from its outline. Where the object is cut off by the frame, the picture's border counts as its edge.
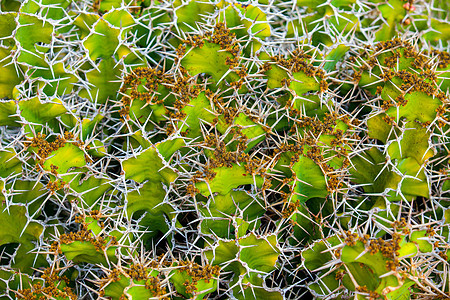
(420, 107)
(148, 166)
(310, 181)
(196, 111)
(188, 14)
(86, 252)
(413, 144)
(250, 17)
(267, 250)
(89, 188)
(202, 287)
(17, 229)
(374, 265)
(9, 163)
(103, 41)
(420, 239)
(150, 198)
(103, 81)
(10, 75)
(235, 176)
(31, 194)
(258, 253)
(210, 60)
(33, 110)
(66, 157)
(32, 30)
(221, 206)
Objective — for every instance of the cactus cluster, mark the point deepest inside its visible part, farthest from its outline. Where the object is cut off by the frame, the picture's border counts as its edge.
(159, 149)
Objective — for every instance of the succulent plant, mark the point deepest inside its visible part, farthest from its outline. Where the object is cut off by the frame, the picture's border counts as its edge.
(216, 149)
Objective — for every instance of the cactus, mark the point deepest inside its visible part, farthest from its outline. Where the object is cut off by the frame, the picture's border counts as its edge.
(53, 285)
(247, 257)
(215, 149)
